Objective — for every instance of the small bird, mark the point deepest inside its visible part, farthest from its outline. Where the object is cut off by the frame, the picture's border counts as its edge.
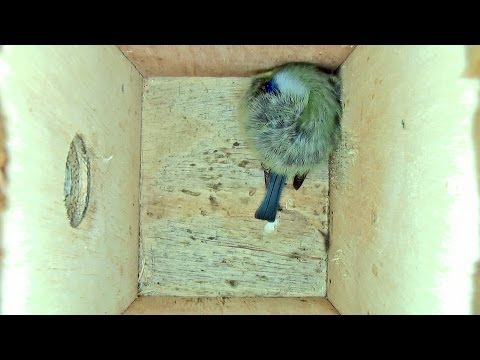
(290, 117)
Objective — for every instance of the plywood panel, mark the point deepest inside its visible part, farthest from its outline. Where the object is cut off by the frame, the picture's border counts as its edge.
(49, 94)
(200, 189)
(157, 305)
(228, 60)
(404, 197)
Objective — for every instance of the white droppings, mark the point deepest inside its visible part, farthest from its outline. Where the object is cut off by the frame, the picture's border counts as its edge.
(288, 203)
(106, 160)
(270, 227)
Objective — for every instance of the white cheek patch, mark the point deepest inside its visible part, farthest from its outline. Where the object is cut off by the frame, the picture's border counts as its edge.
(289, 84)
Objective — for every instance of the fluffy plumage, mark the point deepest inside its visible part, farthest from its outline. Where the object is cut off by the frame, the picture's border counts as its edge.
(290, 117)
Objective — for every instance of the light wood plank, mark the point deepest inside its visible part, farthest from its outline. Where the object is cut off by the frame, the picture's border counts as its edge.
(49, 94)
(404, 200)
(157, 305)
(228, 60)
(200, 190)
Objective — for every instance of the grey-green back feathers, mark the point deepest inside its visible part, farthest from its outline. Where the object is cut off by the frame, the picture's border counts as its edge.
(291, 117)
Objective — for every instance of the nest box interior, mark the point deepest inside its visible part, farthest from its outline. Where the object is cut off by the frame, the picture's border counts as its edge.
(127, 188)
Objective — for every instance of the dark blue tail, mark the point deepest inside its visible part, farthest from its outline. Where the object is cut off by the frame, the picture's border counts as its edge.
(268, 208)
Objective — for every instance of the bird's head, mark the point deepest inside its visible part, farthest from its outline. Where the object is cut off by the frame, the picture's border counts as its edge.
(281, 82)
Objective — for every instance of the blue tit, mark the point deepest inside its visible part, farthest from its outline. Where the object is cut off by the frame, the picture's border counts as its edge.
(290, 117)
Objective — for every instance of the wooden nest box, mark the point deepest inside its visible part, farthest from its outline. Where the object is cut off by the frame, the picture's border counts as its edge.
(127, 188)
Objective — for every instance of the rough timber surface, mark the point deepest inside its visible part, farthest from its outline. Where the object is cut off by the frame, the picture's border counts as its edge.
(200, 189)
(228, 60)
(173, 305)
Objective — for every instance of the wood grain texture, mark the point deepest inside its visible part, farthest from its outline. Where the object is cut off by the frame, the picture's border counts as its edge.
(159, 305)
(404, 201)
(200, 188)
(49, 94)
(228, 60)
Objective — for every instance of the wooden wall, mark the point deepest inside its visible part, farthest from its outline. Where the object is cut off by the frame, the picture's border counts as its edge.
(227, 60)
(403, 187)
(49, 94)
(159, 305)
